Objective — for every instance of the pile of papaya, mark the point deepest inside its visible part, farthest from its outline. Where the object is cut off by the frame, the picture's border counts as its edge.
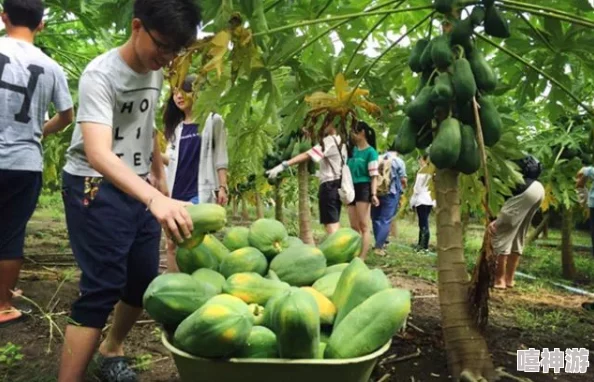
(286, 146)
(453, 73)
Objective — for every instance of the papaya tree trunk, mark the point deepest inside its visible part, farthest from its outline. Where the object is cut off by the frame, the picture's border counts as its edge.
(539, 229)
(245, 215)
(467, 352)
(235, 206)
(259, 206)
(545, 231)
(278, 204)
(305, 231)
(566, 245)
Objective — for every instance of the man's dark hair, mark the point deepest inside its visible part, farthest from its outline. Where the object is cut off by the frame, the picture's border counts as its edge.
(24, 13)
(175, 20)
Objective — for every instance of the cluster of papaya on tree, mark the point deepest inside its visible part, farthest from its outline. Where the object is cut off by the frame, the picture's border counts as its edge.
(454, 73)
(286, 146)
(241, 188)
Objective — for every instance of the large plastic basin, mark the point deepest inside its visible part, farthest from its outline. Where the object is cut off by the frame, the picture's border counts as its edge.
(196, 369)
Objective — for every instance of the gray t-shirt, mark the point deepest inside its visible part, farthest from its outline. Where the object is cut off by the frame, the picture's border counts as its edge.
(114, 95)
(29, 82)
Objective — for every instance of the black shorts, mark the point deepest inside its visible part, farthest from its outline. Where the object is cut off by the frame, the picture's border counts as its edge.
(362, 193)
(329, 202)
(19, 192)
(115, 243)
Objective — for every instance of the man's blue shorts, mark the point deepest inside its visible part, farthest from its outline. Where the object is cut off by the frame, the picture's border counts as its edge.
(115, 241)
(19, 192)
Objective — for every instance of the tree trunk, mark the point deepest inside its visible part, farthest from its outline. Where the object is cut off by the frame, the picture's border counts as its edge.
(259, 206)
(305, 231)
(278, 204)
(539, 229)
(235, 206)
(545, 231)
(245, 215)
(566, 245)
(467, 352)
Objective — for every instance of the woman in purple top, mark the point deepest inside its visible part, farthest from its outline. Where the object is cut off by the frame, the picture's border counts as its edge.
(196, 156)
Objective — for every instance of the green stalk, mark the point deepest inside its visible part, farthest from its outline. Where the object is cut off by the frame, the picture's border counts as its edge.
(538, 33)
(342, 17)
(373, 28)
(321, 11)
(378, 58)
(546, 75)
(546, 9)
(328, 30)
(537, 12)
(277, 2)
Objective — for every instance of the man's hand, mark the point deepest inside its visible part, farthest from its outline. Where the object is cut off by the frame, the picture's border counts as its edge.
(273, 173)
(222, 198)
(173, 216)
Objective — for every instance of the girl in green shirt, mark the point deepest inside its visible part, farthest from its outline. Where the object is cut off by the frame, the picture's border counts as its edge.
(363, 164)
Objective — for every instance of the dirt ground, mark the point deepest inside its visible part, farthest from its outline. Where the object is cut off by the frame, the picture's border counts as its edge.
(53, 286)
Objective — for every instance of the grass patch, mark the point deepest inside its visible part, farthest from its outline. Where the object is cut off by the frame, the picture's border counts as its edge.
(555, 321)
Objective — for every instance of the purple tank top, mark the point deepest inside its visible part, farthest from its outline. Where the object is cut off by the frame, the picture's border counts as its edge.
(188, 160)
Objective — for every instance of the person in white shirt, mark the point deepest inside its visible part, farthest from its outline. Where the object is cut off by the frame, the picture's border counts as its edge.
(422, 202)
(330, 153)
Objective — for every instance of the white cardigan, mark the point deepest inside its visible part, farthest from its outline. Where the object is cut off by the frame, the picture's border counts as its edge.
(211, 160)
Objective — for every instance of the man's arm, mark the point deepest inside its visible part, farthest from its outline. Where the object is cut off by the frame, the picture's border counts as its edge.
(170, 213)
(58, 122)
(62, 100)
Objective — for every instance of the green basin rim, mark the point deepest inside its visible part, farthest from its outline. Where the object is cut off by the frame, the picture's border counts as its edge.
(368, 357)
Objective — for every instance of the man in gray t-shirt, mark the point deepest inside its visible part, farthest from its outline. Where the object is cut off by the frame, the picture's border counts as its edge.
(113, 214)
(29, 82)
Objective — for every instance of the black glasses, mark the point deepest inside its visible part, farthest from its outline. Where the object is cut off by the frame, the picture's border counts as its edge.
(162, 47)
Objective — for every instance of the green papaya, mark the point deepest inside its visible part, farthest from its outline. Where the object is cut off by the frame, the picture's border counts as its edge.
(304, 146)
(443, 90)
(444, 6)
(424, 81)
(287, 154)
(469, 160)
(465, 113)
(441, 53)
(463, 81)
(491, 123)
(462, 32)
(405, 140)
(495, 24)
(420, 110)
(445, 150)
(284, 142)
(485, 77)
(426, 60)
(424, 137)
(296, 149)
(414, 60)
(477, 16)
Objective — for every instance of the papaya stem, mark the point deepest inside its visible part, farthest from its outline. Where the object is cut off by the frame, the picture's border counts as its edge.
(435, 71)
(341, 17)
(324, 33)
(537, 12)
(378, 58)
(481, 142)
(544, 74)
(369, 32)
(547, 12)
(537, 32)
